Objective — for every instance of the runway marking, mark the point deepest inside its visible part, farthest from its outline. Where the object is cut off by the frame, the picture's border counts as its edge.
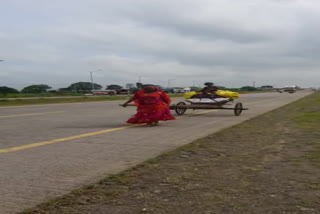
(32, 114)
(59, 140)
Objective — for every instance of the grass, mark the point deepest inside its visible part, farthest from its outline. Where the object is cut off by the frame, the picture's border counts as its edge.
(22, 95)
(307, 121)
(75, 99)
(247, 168)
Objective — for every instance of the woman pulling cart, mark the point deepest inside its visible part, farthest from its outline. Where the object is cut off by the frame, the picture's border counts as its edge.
(152, 106)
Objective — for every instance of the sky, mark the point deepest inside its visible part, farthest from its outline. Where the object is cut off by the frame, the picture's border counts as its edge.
(177, 43)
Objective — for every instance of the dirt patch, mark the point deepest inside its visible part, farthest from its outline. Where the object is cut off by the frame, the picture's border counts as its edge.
(269, 164)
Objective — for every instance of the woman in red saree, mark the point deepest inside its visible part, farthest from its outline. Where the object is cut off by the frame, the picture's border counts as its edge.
(152, 106)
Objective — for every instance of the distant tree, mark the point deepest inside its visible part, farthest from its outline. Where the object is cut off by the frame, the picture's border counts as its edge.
(114, 87)
(64, 90)
(194, 88)
(42, 88)
(8, 90)
(266, 87)
(248, 88)
(84, 86)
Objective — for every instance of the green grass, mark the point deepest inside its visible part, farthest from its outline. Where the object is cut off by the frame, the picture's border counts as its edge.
(76, 98)
(307, 121)
(22, 95)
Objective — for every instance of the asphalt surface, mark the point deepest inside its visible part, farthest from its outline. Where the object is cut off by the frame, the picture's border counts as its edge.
(48, 150)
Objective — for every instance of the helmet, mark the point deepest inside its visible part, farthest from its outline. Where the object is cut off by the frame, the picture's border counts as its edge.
(208, 84)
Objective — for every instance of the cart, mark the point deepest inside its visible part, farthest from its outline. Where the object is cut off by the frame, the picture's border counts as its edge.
(181, 107)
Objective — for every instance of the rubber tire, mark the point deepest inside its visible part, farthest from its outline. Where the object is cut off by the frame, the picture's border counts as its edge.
(180, 108)
(238, 109)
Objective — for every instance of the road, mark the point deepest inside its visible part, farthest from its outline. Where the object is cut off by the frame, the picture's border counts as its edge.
(48, 150)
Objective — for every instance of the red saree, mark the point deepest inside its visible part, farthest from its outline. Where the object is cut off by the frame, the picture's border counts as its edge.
(151, 107)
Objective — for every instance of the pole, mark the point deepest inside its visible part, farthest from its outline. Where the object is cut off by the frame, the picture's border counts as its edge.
(92, 84)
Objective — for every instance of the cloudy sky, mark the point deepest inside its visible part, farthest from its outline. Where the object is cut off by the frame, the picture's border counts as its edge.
(183, 42)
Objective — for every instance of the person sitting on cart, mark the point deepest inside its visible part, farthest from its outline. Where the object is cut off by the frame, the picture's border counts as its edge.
(209, 91)
(210, 88)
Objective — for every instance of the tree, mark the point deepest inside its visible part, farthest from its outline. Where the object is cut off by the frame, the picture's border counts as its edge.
(8, 90)
(42, 88)
(84, 86)
(248, 88)
(114, 87)
(194, 88)
(63, 90)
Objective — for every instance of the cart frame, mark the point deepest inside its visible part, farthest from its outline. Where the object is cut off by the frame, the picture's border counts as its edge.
(181, 107)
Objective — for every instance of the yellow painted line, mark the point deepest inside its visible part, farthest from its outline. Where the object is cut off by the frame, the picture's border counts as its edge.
(33, 145)
(33, 114)
(59, 140)
(205, 112)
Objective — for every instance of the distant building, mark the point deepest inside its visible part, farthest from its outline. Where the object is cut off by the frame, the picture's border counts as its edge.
(178, 90)
(187, 90)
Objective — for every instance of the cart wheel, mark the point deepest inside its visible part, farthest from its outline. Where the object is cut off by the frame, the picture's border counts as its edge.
(180, 108)
(238, 109)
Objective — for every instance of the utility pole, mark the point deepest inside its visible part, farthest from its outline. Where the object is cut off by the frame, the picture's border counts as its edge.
(92, 84)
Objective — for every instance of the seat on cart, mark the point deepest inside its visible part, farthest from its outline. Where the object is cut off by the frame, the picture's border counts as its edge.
(208, 100)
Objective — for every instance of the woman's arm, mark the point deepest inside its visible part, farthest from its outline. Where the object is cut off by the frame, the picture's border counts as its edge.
(129, 101)
(165, 98)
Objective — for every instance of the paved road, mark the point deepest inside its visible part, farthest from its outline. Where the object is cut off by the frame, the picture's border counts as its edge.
(46, 151)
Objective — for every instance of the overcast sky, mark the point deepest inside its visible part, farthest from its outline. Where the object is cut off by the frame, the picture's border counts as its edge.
(183, 42)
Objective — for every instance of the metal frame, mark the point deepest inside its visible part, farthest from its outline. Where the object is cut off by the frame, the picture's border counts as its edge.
(181, 107)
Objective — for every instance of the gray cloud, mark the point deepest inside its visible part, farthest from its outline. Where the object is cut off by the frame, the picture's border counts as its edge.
(230, 42)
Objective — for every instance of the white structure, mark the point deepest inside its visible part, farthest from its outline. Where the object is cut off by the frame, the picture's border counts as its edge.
(186, 90)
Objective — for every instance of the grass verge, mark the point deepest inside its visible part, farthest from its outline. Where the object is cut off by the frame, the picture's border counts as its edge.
(269, 164)
(75, 99)
(40, 99)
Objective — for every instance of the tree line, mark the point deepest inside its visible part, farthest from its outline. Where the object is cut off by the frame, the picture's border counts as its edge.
(85, 87)
(81, 87)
